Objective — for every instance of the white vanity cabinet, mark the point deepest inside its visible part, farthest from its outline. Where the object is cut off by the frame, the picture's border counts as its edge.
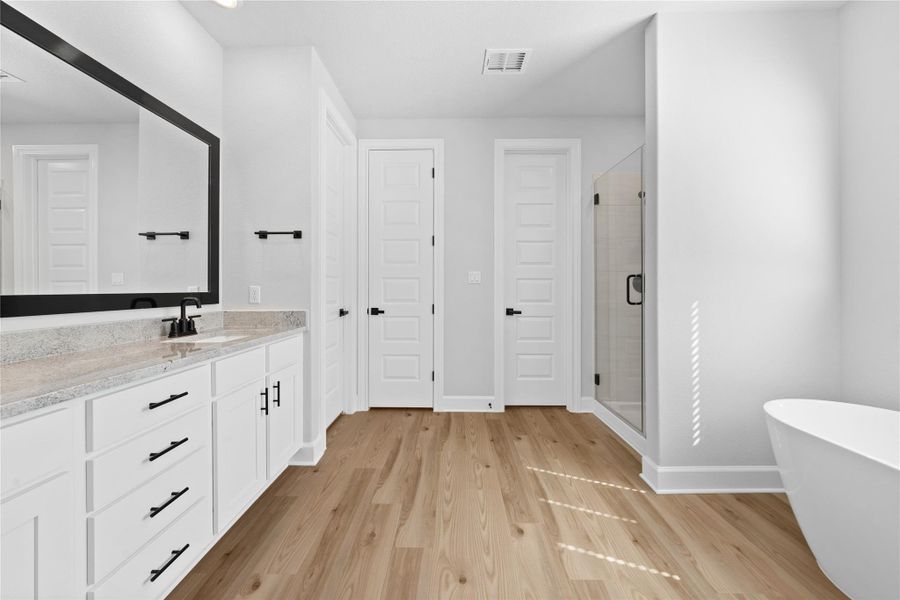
(41, 509)
(257, 419)
(116, 495)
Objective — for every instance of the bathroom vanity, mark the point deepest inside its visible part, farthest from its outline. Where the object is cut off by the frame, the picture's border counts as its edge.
(122, 465)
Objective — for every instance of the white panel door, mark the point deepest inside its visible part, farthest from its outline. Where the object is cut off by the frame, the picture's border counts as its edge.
(37, 543)
(336, 296)
(66, 244)
(401, 277)
(283, 436)
(534, 214)
(240, 451)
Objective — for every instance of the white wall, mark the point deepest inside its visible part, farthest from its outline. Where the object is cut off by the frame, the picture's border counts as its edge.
(468, 218)
(270, 158)
(744, 132)
(870, 203)
(159, 47)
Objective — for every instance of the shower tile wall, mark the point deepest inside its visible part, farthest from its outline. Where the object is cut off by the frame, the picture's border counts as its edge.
(618, 333)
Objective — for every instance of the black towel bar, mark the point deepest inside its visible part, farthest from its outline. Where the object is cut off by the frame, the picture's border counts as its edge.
(263, 234)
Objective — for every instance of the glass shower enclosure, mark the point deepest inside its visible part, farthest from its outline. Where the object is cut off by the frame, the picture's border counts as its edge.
(618, 289)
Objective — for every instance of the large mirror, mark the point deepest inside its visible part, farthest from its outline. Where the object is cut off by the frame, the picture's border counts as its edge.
(108, 198)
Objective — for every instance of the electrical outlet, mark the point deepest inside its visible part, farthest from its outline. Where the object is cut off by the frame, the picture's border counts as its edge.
(474, 276)
(118, 279)
(255, 294)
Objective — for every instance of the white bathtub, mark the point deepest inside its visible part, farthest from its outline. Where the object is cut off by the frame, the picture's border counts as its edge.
(840, 464)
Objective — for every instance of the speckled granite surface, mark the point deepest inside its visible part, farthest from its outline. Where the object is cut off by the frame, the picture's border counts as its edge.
(40, 382)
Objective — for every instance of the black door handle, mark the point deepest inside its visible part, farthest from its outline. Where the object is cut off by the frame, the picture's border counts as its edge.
(155, 510)
(154, 573)
(343, 312)
(171, 398)
(172, 446)
(375, 311)
(510, 312)
(638, 287)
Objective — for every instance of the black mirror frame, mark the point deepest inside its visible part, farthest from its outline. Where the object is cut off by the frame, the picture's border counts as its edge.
(45, 304)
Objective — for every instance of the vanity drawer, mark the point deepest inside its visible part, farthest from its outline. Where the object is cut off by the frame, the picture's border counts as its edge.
(284, 353)
(188, 537)
(128, 524)
(119, 415)
(125, 467)
(35, 448)
(234, 371)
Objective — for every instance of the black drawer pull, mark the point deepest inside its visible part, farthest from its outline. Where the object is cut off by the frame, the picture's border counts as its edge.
(167, 400)
(155, 510)
(277, 388)
(154, 573)
(172, 446)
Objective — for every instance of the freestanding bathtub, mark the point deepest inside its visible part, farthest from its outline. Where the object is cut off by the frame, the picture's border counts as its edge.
(840, 464)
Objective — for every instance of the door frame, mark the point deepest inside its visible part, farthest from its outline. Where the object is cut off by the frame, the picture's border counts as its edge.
(25, 158)
(571, 292)
(330, 117)
(436, 145)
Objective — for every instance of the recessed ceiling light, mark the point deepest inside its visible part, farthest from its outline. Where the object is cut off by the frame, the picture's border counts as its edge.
(228, 3)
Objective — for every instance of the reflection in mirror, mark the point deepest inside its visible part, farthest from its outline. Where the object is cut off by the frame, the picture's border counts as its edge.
(84, 171)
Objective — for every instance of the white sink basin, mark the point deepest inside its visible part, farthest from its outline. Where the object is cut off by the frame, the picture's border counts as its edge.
(216, 339)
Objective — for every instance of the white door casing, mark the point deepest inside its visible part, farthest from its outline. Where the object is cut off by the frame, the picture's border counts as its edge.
(401, 277)
(537, 271)
(56, 219)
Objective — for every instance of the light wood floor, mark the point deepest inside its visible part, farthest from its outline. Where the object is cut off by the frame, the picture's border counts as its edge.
(533, 503)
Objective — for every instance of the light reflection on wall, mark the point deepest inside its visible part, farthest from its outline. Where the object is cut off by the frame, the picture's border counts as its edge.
(695, 373)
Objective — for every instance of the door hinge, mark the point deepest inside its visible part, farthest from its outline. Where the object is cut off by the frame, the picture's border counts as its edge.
(596, 198)
(432, 375)
(432, 172)
(596, 378)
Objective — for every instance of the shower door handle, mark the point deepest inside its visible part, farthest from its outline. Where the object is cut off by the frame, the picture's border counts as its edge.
(638, 279)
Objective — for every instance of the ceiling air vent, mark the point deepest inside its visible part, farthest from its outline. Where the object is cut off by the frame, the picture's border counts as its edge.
(504, 61)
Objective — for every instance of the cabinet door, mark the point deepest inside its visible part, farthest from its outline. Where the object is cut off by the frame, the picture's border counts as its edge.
(284, 432)
(37, 543)
(240, 452)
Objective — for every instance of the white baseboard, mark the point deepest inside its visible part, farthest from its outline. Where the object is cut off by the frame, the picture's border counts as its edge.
(467, 404)
(711, 480)
(309, 455)
(622, 429)
(584, 405)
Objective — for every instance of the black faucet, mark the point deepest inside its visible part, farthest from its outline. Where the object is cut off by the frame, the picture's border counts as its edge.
(184, 325)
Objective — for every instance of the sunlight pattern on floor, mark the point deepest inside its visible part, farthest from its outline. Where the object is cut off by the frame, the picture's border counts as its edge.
(618, 561)
(587, 510)
(603, 483)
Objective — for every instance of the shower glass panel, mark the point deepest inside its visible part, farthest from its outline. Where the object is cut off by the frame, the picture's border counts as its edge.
(618, 277)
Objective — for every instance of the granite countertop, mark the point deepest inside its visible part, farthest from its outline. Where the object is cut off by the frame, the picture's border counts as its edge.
(40, 382)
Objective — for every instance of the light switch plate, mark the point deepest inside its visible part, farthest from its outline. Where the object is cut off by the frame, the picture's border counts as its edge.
(255, 294)
(474, 276)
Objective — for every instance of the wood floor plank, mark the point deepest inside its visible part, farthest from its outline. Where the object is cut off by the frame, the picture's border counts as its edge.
(533, 504)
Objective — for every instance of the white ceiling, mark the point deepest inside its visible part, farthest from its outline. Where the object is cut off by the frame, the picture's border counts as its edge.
(423, 59)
